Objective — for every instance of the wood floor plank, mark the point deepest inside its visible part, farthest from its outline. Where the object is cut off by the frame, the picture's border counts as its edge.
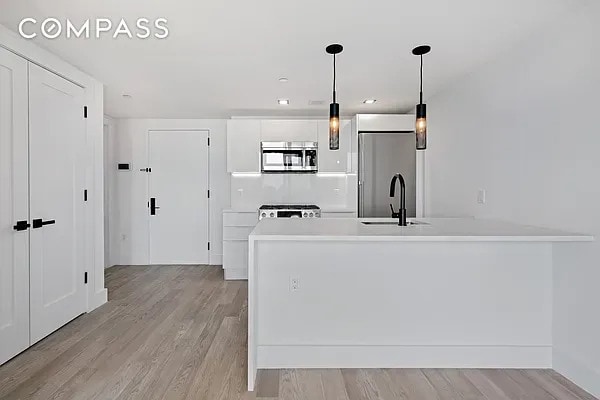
(180, 332)
(359, 386)
(334, 387)
(268, 383)
(300, 384)
(413, 383)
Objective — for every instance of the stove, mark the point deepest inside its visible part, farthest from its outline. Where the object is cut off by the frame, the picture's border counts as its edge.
(289, 211)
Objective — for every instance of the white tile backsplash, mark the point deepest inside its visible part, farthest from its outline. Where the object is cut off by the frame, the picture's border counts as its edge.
(328, 191)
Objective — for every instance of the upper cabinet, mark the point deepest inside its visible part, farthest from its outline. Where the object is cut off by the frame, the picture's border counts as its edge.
(244, 137)
(288, 131)
(243, 145)
(335, 160)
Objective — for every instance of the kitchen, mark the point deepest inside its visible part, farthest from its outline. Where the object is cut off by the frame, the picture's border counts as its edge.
(396, 203)
(330, 189)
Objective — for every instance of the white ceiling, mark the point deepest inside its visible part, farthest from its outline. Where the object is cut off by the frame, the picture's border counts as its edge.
(224, 57)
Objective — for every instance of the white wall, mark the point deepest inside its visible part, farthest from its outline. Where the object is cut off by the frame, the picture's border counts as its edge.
(94, 95)
(128, 220)
(525, 128)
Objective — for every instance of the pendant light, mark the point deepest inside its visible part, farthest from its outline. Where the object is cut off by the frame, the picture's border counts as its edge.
(334, 108)
(421, 122)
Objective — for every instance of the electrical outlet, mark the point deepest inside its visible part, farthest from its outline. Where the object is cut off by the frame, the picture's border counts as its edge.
(481, 196)
(294, 284)
(123, 237)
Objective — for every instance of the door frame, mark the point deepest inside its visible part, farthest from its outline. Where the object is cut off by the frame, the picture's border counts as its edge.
(208, 182)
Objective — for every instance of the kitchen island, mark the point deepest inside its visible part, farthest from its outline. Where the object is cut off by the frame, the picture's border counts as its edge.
(442, 293)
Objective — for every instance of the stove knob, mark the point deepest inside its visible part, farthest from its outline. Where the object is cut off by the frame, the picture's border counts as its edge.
(310, 215)
(305, 215)
(271, 215)
(263, 215)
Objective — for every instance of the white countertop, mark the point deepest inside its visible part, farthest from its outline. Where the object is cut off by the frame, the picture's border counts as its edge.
(433, 229)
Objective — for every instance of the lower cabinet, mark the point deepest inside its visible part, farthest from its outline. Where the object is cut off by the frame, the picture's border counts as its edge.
(235, 259)
(237, 226)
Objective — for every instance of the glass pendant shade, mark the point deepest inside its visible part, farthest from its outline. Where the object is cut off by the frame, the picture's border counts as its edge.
(334, 126)
(421, 122)
(421, 126)
(334, 107)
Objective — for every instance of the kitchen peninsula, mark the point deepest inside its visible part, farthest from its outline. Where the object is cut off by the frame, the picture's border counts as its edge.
(440, 293)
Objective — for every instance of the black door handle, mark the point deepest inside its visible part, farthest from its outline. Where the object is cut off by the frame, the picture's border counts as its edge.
(21, 226)
(153, 206)
(38, 223)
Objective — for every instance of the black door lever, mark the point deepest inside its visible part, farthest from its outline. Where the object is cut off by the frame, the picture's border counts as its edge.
(21, 226)
(38, 223)
(153, 206)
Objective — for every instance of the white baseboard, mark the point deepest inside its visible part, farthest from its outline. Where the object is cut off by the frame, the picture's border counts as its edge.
(99, 298)
(276, 357)
(236, 274)
(577, 372)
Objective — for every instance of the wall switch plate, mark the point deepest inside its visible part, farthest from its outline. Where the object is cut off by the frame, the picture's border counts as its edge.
(294, 284)
(481, 194)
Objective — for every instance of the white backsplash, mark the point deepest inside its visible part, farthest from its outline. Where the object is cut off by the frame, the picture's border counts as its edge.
(328, 191)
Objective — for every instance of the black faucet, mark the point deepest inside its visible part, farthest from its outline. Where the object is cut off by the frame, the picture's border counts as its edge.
(401, 214)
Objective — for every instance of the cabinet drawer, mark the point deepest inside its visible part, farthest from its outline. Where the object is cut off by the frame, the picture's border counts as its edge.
(235, 254)
(236, 232)
(240, 219)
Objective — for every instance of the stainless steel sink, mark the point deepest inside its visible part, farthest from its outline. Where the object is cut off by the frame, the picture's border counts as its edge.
(409, 223)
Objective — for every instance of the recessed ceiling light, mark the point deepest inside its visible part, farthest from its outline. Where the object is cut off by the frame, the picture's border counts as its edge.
(369, 101)
(283, 80)
(283, 102)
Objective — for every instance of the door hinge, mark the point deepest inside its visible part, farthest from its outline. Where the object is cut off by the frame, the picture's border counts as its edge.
(85, 195)
(209, 245)
(208, 141)
(84, 111)
(208, 193)
(85, 278)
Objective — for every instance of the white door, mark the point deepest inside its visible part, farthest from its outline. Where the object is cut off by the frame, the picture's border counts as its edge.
(178, 197)
(14, 239)
(56, 174)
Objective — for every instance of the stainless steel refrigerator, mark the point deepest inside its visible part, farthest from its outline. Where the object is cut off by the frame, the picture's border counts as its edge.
(381, 156)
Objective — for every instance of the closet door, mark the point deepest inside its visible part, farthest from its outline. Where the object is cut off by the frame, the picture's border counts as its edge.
(56, 173)
(14, 238)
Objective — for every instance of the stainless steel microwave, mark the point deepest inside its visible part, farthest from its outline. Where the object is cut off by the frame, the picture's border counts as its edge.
(289, 157)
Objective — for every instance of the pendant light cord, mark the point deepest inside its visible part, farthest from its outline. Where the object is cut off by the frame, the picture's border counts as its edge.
(334, 77)
(421, 88)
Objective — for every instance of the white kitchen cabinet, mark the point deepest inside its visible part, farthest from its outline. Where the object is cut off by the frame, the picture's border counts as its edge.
(335, 160)
(235, 259)
(289, 131)
(243, 145)
(236, 229)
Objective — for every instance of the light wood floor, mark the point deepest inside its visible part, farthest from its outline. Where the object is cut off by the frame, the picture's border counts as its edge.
(180, 333)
